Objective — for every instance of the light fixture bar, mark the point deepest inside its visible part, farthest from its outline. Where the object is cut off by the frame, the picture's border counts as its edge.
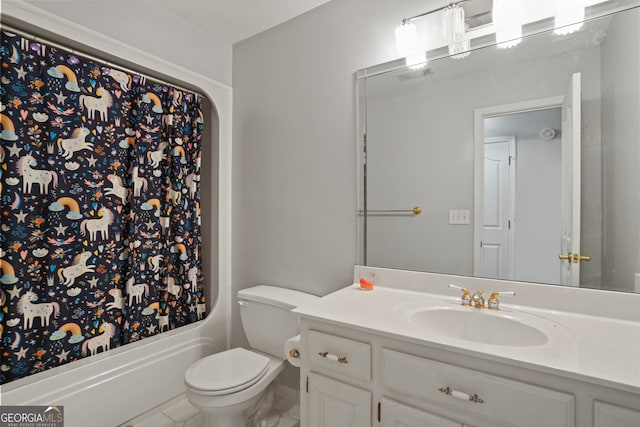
(406, 20)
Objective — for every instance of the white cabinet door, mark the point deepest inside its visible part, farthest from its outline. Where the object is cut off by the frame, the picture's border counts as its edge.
(606, 415)
(394, 414)
(335, 404)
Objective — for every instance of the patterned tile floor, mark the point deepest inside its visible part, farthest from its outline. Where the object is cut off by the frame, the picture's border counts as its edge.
(178, 412)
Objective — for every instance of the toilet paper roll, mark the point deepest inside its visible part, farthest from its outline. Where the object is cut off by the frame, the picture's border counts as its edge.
(292, 350)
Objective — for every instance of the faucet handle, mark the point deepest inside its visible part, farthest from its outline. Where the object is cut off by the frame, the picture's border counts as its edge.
(466, 296)
(493, 302)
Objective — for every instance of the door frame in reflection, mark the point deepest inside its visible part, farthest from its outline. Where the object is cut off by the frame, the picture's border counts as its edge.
(480, 114)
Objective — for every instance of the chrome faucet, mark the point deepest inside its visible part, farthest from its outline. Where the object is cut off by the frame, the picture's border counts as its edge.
(477, 299)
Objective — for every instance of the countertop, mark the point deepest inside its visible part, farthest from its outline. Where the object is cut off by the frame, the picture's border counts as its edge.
(600, 350)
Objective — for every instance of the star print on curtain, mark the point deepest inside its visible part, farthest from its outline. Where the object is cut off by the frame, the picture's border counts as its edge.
(100, 234)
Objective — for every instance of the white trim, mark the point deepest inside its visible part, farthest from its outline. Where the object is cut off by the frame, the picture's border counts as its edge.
(217, 325)
(573, 106)
(361, 123)
(479, 114)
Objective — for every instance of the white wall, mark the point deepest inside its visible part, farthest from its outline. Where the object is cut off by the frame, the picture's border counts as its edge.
(621, 151)
(294, 160)
(152, 29)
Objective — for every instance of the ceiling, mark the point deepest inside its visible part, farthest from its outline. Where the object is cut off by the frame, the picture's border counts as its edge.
(228, 20)
(236, 20)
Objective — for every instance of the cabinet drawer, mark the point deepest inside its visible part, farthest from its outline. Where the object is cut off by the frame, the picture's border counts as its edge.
(394, 414)
(341, 355)
(606, 415)
(502, 400)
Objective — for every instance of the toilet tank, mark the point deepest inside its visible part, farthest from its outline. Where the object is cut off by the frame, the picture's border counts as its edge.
(267, 318)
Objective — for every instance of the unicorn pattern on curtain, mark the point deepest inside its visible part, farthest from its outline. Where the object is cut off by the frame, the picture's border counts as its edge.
(100, 221)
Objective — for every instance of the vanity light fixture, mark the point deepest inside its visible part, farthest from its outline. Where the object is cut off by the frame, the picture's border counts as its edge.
(453, 22)
(508, 17)
(570, 16)
(407, 44)
(454, 30)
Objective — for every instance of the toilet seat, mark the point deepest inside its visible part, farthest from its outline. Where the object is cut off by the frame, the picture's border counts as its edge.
(227, 372)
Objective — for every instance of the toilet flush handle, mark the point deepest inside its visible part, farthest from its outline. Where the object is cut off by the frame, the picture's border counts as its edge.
(243, 303)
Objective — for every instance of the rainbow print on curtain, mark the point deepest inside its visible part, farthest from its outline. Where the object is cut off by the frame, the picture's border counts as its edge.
(100, 221)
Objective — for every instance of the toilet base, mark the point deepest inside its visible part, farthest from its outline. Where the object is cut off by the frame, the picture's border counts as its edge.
(228, 416)
(227, 421)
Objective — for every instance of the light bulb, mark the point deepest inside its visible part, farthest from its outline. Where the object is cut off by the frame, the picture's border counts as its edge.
(508, 17)
(407, 45)
(509, 37)
(454, 31)
(406, 39)
(416, 60)
(570, 16)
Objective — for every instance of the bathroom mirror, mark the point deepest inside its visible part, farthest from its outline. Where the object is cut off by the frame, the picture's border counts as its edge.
(518, 163)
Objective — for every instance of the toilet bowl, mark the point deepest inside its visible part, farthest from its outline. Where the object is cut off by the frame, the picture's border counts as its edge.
(228, 386)
(224, 386)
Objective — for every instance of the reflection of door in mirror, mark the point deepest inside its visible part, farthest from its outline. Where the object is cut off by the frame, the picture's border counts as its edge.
(521, 196)
(571, 257)
(499, 197)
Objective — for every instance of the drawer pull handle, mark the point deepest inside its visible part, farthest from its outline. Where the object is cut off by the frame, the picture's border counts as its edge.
(333, 357)
(461, 395)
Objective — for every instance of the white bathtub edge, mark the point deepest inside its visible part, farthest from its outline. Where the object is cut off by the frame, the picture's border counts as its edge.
(117, 387)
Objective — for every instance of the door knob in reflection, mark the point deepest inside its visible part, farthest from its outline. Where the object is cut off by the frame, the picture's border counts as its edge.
(575, 258)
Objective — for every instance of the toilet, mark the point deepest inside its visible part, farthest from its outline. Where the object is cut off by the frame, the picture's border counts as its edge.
(226, 386)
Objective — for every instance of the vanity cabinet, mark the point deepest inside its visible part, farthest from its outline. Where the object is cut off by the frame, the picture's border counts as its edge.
(354, 378)
(336, 404)
(396, 414)
(606, 415)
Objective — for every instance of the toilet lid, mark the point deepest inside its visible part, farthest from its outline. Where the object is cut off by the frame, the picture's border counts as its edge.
(227, 372)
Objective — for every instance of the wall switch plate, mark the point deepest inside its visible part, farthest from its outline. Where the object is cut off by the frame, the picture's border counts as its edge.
(459, 217)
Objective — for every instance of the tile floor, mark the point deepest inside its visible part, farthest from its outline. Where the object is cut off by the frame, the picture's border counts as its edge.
(178, 412)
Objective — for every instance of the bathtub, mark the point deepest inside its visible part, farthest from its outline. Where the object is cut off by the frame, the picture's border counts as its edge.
(110, 388)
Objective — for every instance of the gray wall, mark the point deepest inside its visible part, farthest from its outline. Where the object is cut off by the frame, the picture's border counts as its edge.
(294, 152)
(621, 152)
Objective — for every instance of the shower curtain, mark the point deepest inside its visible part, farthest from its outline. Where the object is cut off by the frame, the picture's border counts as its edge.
(100, 223)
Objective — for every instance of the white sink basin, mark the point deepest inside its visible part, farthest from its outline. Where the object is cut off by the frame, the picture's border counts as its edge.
(502, 327)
